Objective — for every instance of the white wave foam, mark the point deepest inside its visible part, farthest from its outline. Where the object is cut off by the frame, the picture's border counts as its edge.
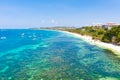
(3, 37)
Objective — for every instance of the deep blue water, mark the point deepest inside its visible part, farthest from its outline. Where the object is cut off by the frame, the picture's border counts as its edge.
(53, 55)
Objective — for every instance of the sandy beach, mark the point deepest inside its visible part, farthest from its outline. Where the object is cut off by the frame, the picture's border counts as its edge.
(114, 48)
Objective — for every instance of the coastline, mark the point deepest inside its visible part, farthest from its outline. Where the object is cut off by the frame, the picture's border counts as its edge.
(114, 48)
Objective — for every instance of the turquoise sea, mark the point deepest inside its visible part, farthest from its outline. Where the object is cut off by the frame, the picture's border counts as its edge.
(53, 55)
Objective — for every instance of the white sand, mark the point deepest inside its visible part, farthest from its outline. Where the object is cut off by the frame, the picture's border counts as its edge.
(114, 48)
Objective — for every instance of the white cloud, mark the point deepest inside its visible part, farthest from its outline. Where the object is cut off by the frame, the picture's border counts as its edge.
(42, 21)
(53, 21)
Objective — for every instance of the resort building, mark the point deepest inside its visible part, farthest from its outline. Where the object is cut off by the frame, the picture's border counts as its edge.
(107, 25)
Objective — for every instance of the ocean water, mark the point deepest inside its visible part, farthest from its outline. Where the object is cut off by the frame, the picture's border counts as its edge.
(53, 55)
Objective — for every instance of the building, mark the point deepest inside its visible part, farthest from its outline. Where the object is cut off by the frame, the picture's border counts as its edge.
(110, 25)
(107, 25)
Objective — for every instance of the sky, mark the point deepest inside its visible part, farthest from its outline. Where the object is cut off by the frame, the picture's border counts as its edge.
(47, 13)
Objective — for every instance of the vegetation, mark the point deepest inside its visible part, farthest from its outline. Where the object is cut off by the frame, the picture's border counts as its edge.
(98, 33)
(112, 35)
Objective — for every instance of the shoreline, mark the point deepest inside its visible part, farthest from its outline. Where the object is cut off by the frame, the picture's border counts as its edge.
(114, 48)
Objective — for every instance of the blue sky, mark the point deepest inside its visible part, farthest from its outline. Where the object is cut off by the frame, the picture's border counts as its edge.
(45, 13)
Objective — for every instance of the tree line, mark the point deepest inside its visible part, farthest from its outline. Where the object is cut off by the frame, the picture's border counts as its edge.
(98, 33)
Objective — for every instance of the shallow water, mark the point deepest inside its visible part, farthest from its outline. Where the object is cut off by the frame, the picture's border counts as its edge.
(53, 55)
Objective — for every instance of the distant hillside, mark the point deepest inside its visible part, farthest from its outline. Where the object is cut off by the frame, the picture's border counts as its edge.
(55, 28)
